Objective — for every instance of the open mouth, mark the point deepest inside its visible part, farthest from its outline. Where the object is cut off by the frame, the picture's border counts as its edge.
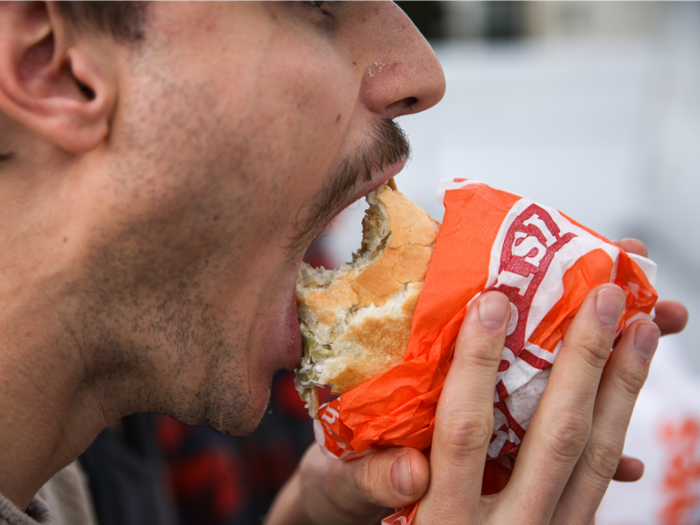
(322, 354)
(355, 319)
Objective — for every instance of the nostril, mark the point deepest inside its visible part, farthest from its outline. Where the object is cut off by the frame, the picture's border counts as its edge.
(409, 102)
(402, 106)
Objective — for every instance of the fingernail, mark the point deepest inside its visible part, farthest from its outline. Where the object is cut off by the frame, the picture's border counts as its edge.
(609, 304)
(401, 476)
(493, 309)
(645, 340)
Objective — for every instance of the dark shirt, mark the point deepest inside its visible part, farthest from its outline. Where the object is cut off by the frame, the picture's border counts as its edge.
(126, 475)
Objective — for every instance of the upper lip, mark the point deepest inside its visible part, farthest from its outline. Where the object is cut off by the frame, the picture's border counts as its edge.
(376, 181)
(366, 187)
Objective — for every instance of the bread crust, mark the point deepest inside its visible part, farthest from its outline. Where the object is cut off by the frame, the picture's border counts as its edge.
(363, 311)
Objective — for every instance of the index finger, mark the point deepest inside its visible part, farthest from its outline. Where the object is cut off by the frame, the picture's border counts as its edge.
(464, 418)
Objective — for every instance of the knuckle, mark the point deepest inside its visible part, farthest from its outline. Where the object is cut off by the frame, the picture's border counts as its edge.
(568, 437)
(595, 352)
(467, 436)
(481, 353)
(352, 494)
(630, 383)
(367, 478)
(602, 459)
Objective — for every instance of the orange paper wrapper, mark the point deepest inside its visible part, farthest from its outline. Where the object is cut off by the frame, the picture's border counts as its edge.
(546, 264)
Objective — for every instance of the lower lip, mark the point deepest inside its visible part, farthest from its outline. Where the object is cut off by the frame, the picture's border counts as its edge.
(293, 346)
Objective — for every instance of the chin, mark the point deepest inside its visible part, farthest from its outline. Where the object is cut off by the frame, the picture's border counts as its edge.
(241, 412)
(225, 403)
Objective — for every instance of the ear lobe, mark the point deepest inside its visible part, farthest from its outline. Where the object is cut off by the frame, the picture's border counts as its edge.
(52, 80)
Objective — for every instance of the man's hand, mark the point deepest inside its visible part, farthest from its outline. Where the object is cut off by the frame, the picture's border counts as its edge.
(329, 491)
(570, 453)
(575, 440)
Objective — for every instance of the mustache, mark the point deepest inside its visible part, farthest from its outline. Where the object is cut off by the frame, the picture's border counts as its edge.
(388, 145)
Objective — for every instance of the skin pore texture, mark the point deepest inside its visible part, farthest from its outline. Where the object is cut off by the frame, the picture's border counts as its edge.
(152, 235)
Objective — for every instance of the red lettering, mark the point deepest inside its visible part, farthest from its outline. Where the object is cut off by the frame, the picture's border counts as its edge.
(529, 247)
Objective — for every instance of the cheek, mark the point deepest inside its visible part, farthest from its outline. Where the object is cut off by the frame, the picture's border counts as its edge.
(311, 94)
(323, 109)
(314, 127)
(294, 140)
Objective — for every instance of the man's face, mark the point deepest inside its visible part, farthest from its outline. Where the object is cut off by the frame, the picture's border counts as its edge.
(242, 129)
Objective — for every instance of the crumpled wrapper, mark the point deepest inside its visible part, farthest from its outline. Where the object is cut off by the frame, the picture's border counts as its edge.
(546, 264)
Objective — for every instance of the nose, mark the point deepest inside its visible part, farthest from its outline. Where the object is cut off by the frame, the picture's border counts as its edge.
(401, 73)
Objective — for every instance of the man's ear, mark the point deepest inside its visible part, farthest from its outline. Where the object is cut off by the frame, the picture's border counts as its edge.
(53, 80)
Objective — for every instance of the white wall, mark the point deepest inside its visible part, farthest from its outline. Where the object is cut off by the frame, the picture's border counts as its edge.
(674, 134)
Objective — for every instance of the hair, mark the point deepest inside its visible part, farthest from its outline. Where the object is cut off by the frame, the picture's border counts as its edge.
(123, 21)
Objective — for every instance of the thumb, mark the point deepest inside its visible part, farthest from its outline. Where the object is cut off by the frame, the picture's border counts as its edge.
(394, 477)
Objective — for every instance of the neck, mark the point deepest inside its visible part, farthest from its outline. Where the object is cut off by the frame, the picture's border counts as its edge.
(49, 411)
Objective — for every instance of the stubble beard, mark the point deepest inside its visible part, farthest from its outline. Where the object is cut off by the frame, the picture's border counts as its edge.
(144, 304)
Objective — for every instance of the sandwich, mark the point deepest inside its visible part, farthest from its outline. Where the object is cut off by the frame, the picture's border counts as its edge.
(355, 320)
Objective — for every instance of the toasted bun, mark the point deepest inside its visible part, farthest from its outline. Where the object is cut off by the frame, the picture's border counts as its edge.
(356, 320)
